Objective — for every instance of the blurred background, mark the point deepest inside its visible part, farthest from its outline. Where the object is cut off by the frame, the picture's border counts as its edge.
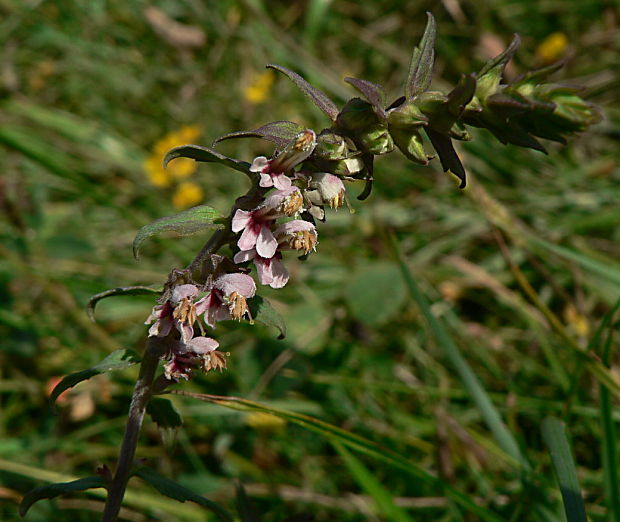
(92, 94)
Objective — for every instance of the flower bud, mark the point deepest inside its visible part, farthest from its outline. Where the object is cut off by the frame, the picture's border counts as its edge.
(376, 140)
(410, 144)
(331, 146)
(357, 116)
(407, 116)
(298, 149)
(327, 189)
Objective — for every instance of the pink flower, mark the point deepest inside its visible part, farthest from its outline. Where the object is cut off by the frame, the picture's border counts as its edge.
(179, 311)
(296, 235)
(197, 352)
(227, 299)
(325, 189)
(269, 178)
(270, 271)
(256, 224)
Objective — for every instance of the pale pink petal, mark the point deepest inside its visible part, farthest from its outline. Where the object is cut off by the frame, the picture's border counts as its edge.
(281, 181)
(182, 291)
(259, 164)
(249, 237)
(266, 244)
(203, 304)
(279, 274)
(297, 225)
(186, 330)
(202, 345)
(263, 269)
(243, 284)
(241, 220)
(244, 255)
(266, 180)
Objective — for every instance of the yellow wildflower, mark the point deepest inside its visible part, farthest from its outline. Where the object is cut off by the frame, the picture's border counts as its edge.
(264, 421)
(179, 168)
(187, 195)
(259, 87)
(552, 48)
(577, 322)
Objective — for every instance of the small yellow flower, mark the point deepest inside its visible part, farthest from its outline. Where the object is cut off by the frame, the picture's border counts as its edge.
(264, 421)
(259, 87)
(552, 47)
(179, 168)
(187, 195)
(577, 322)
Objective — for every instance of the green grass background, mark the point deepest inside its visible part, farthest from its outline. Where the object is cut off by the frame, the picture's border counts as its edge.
(458, 389)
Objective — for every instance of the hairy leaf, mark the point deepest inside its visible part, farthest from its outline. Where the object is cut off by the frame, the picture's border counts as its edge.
(117, 360)
(178, 492)
(183, 224)
(422, 61)
(278, 132)
(263, 312)
(207, 155)
(53, 490)
(320, 99)
(121, 290)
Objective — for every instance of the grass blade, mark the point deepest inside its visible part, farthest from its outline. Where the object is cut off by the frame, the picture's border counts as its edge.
(381, 496)
(478, 394)
(556, 440)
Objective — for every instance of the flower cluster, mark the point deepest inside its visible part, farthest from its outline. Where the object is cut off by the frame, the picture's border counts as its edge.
(225, 299)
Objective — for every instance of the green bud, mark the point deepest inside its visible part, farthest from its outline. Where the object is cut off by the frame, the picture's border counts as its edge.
(330, 145)
(410, 144)
(376, 140)
(357, 116)
(350, 167)
(408, 117)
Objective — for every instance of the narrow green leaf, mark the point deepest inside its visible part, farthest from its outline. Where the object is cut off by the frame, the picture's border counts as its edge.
(181, 493)
(555, 438)
(489, 413)
(183, 224)
(382, 497)
(320, 99)
(124, 290)
(279, 132)
(352, 441)
(263, 312)
(610, 440)
(53, 490)
(422, 61)
(207, 155)
(117, 360)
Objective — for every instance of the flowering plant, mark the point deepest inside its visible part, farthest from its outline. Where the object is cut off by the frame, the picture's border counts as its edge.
(286, 200)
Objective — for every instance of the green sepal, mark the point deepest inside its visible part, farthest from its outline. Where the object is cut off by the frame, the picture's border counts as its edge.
(407, 117)
(356, 116)
(376, 140)
(489, 77)
(410, 143)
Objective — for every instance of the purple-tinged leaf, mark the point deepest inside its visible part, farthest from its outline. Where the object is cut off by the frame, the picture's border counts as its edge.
(117, 360)
(205, 154)
(422, 61)
(178, 492)
(183, 224)
(124, 290)
(61, 488)
(373, 93)
(278, 132)
(320, 99)
(447, 155)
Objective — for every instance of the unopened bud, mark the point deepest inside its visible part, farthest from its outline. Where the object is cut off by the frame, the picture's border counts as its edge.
(295, 152)
(377, 140)
(411, 145)
(357, 116)
(331, 146)
(327, 190)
